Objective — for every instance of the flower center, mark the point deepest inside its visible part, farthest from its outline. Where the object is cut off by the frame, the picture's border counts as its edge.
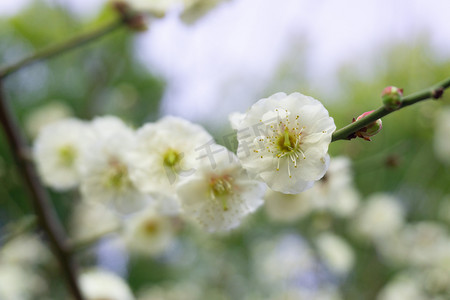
(283, 139)
(220, 188)
(171, 158)
(286, 141)
(67, 155)
(117, 176)
(151, 227)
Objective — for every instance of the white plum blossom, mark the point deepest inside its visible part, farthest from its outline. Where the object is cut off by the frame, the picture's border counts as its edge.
(380, 216)
(99, 284)
(57, 151)
(45, 115)
(149, 232)
(425, 243)
(25, 250)
(90, 219)
(172, 291)
(20, 283)
(220, 194)
(284, 140)
(403, 286)
(335, 192)
(284, 259)
(336, 253)
(105, 169)
(164, 152)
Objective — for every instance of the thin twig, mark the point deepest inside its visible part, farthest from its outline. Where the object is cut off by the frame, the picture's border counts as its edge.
(433, 92)
(65, 46)
(45, 213)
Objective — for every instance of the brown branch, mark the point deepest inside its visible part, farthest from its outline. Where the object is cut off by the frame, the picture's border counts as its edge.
(45, 213)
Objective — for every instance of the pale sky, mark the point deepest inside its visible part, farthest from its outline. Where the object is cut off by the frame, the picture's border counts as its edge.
(227, 60)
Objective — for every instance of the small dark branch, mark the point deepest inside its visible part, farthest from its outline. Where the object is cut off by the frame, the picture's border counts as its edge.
(46, 216)
(434, 92)
(62, 47)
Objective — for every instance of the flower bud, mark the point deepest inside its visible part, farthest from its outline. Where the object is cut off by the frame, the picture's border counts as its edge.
(392, 97)
(369, 130)
(134, 20)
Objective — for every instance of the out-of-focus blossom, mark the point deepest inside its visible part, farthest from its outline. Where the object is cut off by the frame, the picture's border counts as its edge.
(44, 115)
(425, 243)
(441, 134)
(286, 207)
(105, 169)
(149, 232)
(165, 152)
(20, 283)
(335, 192)
(99, 284)
(422, 244)
(380, 216)
(92, 219)
(176, 291)
(321, 293)
(25, 250)
(283, 260)
(403, 286)
(57, 151)
(336, 253)
(284, 140)
(220, 194)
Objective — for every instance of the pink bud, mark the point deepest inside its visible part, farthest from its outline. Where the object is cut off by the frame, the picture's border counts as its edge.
(369, 130)
(392, 97)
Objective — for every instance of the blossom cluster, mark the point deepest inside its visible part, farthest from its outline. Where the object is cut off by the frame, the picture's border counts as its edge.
(173, 167)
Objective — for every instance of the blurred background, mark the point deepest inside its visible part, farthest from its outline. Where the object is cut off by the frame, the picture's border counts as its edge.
(342, 53)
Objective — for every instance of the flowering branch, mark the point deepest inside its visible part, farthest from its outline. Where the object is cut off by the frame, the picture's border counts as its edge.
(45, 214)
(434, 92)
(57, 49)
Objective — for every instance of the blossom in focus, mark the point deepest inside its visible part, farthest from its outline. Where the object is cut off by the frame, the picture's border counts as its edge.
(99, 284)
(284, 140)
(379, 216)
(218, 196)
(149, 232)
(336, 253)
(164, 152)
(57, 152)
(105, 169)
(441, 136)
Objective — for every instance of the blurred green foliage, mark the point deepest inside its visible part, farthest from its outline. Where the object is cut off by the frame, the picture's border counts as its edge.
(104, 78)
